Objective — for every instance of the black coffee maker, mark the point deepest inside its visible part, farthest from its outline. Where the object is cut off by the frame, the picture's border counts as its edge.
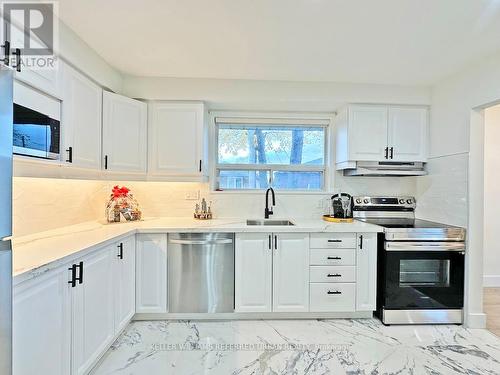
(342, 206)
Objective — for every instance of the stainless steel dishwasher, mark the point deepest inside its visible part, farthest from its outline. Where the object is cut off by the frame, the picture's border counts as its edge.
(201, 272)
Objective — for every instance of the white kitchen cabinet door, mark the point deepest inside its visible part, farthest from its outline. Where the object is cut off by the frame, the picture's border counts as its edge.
(93, 310)
(42, 325)
(290, 272)
(124, 133)
(176, 139)
(408, 133)
(367, 132)
(151, 273)
(124, 282)
(43, 74)
(366, 272)
(81, 120)
(253, 272)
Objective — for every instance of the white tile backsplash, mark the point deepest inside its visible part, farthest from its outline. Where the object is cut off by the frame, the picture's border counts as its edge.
(44, 204)
(442, 194)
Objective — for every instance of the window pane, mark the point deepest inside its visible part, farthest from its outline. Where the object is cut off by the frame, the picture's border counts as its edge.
(287, 180)
(287, 145)
(243, 180)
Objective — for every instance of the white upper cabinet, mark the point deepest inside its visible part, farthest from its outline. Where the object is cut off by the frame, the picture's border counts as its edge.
(81, 120)
(124, 134)
(291, 272)
(376, 133)
(366, 272)
(407, 137)
(367, 133)
(253, 272)
(176, 139)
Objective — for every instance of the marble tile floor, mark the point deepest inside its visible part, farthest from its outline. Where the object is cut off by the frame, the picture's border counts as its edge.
(344, 346)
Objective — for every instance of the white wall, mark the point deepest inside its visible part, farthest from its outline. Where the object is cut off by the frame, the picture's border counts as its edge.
(491, 193)
(79, 54)
(456, 145)
(271, 95)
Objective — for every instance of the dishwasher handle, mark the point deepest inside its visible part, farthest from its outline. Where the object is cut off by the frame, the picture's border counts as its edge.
(202, 242)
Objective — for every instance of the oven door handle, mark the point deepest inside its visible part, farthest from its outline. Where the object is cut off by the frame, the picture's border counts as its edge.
(424, 246)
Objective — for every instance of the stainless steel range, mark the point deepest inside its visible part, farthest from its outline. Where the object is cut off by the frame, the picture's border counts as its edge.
(420, 263)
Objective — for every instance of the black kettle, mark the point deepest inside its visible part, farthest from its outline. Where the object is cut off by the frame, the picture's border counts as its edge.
(342, 206)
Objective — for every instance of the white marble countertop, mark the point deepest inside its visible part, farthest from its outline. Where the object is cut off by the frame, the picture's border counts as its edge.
(40, 252)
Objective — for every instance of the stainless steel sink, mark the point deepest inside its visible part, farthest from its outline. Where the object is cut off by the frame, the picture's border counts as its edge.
(270, 222)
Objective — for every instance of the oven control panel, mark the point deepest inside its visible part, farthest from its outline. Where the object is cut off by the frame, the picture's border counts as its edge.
(405, 202)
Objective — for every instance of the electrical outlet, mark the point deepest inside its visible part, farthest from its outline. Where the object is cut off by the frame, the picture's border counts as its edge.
(192, 195)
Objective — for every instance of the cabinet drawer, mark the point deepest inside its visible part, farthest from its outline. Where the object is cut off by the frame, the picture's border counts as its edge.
(332, 274)
(332, 297)
(333, 241)
(332, 257)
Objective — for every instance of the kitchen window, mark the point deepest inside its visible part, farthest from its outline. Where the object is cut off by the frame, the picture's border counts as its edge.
(257, 153)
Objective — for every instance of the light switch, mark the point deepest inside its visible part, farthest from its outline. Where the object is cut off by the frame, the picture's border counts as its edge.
(192, 195)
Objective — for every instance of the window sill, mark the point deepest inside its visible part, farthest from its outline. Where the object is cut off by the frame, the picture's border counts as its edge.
(280, 192)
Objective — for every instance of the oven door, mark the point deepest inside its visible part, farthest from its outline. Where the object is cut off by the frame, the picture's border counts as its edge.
(424, 275)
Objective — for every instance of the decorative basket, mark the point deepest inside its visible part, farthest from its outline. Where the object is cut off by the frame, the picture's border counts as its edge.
(122, 205)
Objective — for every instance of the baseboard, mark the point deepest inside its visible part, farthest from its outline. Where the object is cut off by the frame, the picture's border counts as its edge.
(476, 320)
(254, 316)
(490, 281)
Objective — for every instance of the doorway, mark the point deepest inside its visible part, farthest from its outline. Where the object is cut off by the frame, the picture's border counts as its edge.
(491, 224)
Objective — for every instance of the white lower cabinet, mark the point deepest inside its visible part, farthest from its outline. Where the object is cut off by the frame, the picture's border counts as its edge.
(253, 272)
(291, 272)
(271, 272)
(93, 310)
(124, 282)
(42, 325)
(336, 297)
(66, 319)
(151, 273)
(366, 272)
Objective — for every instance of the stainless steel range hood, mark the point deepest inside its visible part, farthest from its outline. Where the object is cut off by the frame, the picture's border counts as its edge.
(386, 168)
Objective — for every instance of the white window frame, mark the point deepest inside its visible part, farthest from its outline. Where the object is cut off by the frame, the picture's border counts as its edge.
(268, 119)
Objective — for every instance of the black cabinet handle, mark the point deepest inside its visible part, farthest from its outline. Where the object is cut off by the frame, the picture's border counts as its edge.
(334, 240)
(120, 250)
(106, 162)
(200, 165)
(361, 242)
(270, 243)
(17, 53)
(386, 153)
(73, 275)
(334, 275)
(334, 292)
(70, 154)
(275, 242)
(333, 258)
(392, 152)
(80, 277)
(6, 52)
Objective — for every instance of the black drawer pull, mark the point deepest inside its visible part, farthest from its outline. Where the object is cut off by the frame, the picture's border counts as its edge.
(334, 258)
(80, 277)
(69, 150)
(361, 242)
(73, 275)
(334, 292)
(120, 250)
(334, 240)
(334, 275)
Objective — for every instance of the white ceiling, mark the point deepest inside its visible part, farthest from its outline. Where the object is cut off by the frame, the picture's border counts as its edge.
(370, 41)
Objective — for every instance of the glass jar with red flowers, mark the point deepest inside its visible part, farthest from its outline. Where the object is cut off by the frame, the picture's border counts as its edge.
(122, 204)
